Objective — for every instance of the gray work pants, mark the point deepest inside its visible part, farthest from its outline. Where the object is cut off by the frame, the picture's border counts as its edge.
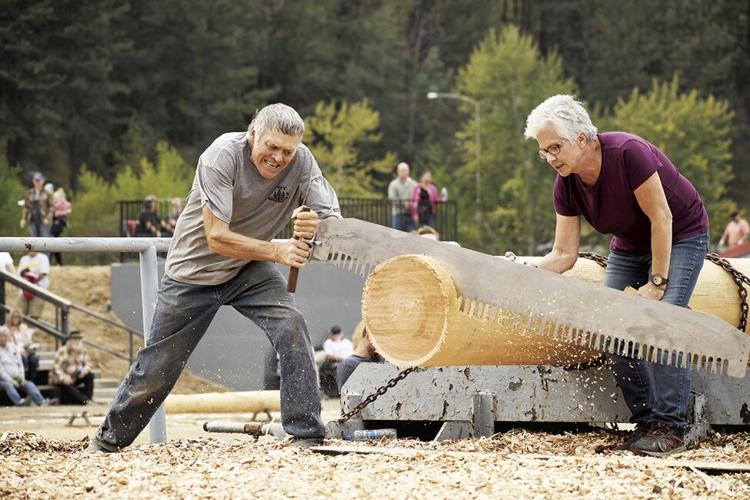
(183, 313)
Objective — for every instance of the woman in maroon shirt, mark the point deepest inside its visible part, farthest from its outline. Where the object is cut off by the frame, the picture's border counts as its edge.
(625, 186)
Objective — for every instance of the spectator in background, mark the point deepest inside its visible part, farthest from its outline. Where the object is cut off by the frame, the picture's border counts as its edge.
(175, 209)
(424, 200)
(735, 234)
(337, 348)
(37, 209)
(149, 223)
(34, 268)
(429, 233)
(364, 352)
(400, 192)
(6, 264)
(12, 379)
(62, 209)
(22, 336)
(72, 372)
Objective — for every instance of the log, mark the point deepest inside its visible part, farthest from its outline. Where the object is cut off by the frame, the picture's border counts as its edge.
(224, 402)
(410, 307)
(716, 292)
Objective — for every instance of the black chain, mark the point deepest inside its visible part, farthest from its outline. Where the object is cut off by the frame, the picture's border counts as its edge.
(599, 259)
(737, 276)
(375, 395)
(739, 279)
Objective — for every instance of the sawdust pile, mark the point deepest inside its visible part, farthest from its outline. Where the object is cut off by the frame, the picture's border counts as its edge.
(733, 447)
(243, 468)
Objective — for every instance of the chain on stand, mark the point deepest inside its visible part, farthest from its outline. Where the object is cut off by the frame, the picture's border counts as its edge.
(739, 278)
(375, 395)
(599, 259)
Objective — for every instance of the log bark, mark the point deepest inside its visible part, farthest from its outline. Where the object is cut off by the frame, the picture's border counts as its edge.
(410, 308)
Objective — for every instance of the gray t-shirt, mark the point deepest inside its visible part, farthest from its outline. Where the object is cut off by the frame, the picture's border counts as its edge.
(234, 191)
(400, 194)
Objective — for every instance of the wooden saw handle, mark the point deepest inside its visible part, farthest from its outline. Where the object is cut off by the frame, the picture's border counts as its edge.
(291, 285)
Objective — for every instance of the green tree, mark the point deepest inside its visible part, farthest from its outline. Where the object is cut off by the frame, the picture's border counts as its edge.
(55, 84)
(508, 77)
(694, 132)
(11, 190)
(95, 210)
(337, 132)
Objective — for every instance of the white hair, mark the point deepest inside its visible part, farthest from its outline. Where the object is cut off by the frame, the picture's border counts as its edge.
(277, 117)
(567, 115)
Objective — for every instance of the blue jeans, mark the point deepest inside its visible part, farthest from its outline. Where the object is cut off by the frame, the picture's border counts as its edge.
(652, 391)
(183, 313)
(39, 230)
(27, 388)
(402, 222)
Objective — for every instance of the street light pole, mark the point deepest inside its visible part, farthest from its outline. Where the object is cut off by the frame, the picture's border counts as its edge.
(478, 139)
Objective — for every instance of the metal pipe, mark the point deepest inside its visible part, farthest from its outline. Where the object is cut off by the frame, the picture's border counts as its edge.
(252, 428)
(65, 320)
(149, 285)
(83, 244)
(34, 288)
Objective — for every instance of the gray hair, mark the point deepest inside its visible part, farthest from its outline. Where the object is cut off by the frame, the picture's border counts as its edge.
(567, 115)
(277, 117)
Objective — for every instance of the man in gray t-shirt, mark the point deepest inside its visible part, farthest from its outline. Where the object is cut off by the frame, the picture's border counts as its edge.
(400, 193)
(247, 187)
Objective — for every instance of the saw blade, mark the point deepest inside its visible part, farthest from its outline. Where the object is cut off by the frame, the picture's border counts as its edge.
(567, 310)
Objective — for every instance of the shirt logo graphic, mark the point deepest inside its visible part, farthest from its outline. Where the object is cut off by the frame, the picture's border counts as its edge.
(280, 194)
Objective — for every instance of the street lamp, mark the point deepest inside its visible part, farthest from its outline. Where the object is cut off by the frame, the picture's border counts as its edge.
(477, 138)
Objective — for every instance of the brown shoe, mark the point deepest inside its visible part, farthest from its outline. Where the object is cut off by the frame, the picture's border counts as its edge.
(661, 440)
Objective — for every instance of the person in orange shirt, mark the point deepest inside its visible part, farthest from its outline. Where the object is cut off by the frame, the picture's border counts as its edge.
(736, 232)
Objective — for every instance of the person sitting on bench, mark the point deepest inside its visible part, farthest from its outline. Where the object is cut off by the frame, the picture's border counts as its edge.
(72, 372)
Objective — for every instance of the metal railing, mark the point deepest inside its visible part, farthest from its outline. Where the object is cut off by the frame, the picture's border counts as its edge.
(378, 211)
(60, 331)
(145, 247)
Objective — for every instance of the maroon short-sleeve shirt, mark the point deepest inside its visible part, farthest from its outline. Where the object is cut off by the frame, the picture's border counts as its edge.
(610, 205)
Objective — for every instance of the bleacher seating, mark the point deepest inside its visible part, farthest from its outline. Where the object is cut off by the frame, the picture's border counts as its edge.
(104, 388)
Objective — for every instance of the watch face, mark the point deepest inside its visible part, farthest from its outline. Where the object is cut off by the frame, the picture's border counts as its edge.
(657, 280)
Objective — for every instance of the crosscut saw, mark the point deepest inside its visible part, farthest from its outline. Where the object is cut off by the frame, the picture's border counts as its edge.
(564, 309)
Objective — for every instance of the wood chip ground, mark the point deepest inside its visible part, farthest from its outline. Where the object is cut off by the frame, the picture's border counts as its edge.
(504, 466)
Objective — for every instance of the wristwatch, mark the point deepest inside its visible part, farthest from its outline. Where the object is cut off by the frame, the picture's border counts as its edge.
(658, 280)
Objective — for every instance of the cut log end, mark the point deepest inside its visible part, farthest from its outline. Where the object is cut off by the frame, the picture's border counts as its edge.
(407, 300)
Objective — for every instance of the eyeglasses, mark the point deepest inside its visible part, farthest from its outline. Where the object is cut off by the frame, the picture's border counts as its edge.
(553, 151)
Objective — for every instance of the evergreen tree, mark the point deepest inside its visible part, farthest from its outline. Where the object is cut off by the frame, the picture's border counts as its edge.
(694, 132)
(337, 133)
(11, 191)
(508, 77)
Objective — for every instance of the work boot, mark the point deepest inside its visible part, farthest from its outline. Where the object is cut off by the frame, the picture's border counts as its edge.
(661, 440)
(641, 429)
(96, 444)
